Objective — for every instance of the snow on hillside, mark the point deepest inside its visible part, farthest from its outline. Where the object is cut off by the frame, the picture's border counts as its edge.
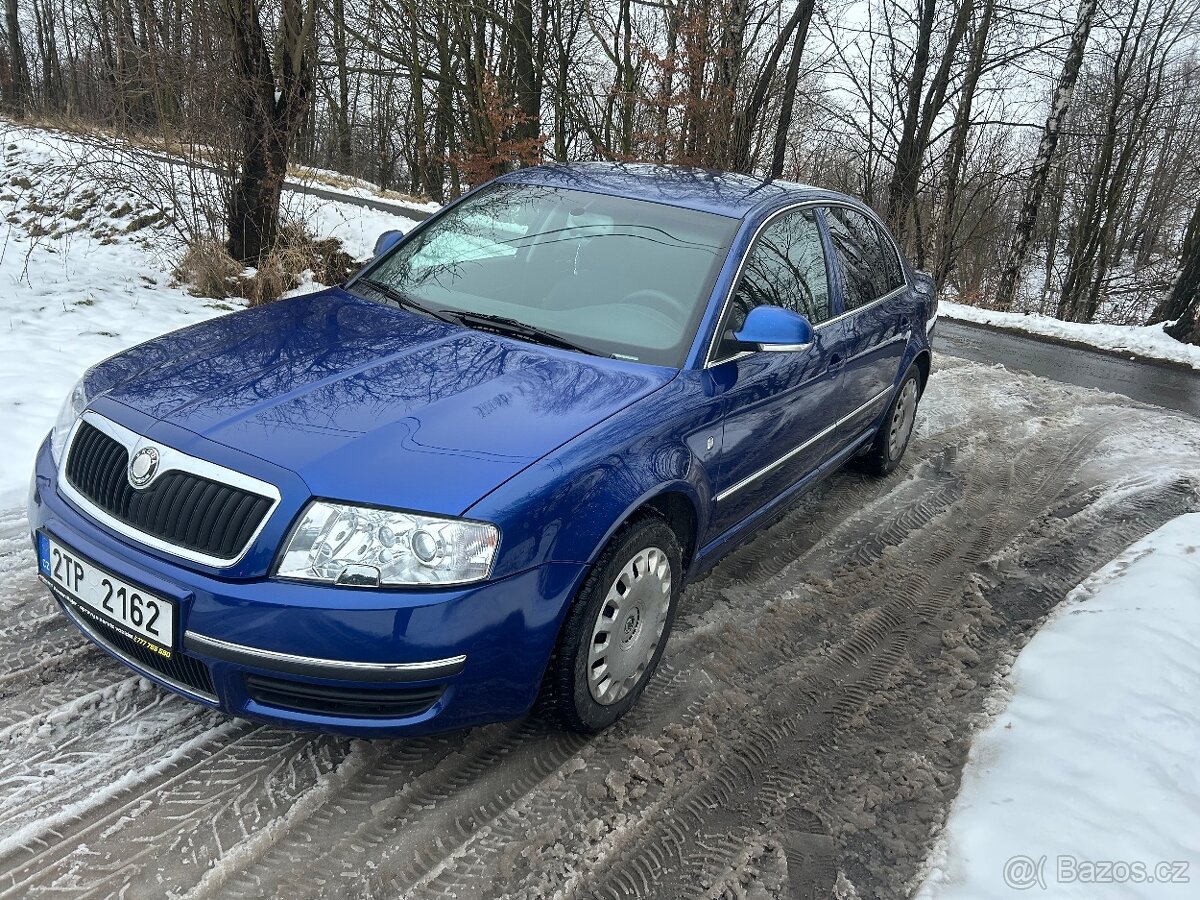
(1147, 341)
(86, 272)
(356, 227)
(1085, 785)
(353, 187)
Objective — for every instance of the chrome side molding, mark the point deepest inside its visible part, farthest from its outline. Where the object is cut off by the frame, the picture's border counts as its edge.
(316, 667)
(771, 467)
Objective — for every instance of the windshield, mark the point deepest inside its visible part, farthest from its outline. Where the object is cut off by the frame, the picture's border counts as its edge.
(613, 276)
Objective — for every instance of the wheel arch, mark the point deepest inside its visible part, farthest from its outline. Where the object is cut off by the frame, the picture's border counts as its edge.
(676, 504)
(679, 511)
(924, 362)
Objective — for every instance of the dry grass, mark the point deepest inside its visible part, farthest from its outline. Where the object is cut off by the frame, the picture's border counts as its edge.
(209, 270)
(278, 272)
(297, 251)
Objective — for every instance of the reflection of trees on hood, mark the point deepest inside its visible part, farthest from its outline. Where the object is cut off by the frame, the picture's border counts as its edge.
(331, 354)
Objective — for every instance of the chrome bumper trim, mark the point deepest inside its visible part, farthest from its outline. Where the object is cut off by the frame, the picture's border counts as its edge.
(145, 671)
(315, 667)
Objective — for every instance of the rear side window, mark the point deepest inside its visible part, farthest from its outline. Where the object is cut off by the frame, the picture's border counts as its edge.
(786, 267)
(891, 261)
(867, 273)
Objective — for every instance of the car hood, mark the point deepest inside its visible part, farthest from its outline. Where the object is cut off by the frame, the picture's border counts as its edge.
(370, 403)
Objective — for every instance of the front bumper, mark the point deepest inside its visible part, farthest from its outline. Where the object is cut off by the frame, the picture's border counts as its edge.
(366, 662)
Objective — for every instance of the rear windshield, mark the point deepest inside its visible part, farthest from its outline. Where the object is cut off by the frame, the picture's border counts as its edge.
(618, 277)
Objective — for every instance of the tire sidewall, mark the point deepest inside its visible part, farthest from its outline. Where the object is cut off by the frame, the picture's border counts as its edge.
(887, 463)
(577, 706)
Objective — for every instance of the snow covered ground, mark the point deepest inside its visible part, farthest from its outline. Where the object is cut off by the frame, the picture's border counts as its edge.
(354, 187)
(85, 274)
(1086, 784)
(1145, 341)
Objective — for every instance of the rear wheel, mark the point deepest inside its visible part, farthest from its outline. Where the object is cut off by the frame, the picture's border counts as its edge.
(617, 628)
(894, 434)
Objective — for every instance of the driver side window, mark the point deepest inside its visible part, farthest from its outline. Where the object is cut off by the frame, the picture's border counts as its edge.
(786, 267)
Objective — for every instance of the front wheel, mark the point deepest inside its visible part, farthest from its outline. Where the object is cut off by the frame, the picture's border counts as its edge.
(617, 628)
(893, 436)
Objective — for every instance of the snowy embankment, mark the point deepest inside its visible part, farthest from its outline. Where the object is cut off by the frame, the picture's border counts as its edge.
(1148, 341)
(85, 272)
(302, 176)
(1086, 784)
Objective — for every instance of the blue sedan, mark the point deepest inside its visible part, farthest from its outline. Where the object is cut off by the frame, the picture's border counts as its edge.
(486, 466)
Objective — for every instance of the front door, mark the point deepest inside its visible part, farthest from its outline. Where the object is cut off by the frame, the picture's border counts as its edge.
(778, 406)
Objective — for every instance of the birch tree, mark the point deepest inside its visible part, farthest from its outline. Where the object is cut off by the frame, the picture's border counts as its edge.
(1036, 184)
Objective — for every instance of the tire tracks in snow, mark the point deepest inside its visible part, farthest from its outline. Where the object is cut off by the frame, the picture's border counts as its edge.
(832, 665)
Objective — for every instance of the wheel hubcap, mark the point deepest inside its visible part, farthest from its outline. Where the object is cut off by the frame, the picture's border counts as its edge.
(902, 419)
(629, 627)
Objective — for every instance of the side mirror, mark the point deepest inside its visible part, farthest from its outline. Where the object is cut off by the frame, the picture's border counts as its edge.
(386, 242)
(924, 284)
(773, 329)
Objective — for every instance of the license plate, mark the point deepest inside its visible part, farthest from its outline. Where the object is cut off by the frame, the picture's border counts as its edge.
(135, 612)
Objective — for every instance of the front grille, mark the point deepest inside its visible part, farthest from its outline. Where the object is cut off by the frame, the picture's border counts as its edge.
(367, 703)
(181, 508)
(186, 670)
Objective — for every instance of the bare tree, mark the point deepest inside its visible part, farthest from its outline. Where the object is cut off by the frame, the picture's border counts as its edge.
(1182, 305)
(1036, 184)
(274, 91)
(16, 69)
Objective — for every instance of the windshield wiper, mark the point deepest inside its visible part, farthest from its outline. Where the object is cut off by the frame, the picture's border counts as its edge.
(403, 300)
(513, 328)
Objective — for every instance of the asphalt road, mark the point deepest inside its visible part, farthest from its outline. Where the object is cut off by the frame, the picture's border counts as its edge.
(380, 204)
(1162, 385)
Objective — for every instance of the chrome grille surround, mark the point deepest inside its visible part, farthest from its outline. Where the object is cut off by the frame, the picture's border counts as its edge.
(169, 460)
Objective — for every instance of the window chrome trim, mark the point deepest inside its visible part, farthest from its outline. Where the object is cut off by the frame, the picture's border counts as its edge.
(891, 295)
(170, 460)
(710, 362)
(92, 634)
(323, 668)
(771, 467)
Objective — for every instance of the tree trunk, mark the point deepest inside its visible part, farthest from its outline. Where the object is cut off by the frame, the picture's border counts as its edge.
(342, 132)
(906, 149)
(747, 118)
(910, 155)
(791, 80)
(1182, 305)
(525, 72)
(1036, 186)
(274, 100)
(17, 98)
(958, 142)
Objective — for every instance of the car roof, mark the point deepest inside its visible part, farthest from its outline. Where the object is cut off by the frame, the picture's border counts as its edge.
(723, 193)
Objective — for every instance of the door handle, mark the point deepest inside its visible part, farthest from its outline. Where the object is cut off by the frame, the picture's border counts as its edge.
(836, 361)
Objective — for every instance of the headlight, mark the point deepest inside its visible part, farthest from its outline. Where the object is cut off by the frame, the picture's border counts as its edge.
(339, 543)
(71, 410)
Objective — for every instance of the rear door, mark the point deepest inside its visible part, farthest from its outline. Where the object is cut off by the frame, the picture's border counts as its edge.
(777, 405)
(874, 325)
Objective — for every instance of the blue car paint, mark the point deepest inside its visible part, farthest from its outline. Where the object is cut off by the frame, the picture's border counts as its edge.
(330, 395)
(775, 325)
